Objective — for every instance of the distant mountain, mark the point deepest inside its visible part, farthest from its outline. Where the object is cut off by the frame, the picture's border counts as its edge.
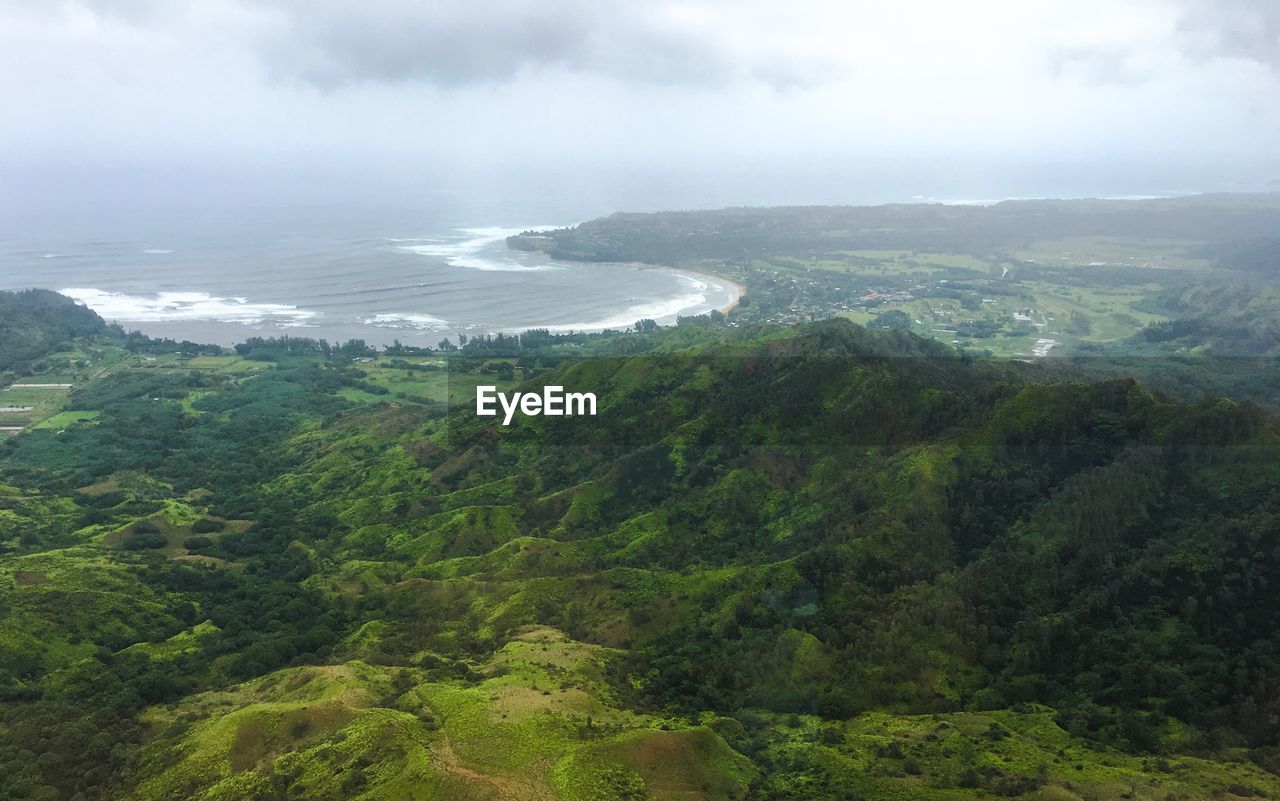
(737, 233)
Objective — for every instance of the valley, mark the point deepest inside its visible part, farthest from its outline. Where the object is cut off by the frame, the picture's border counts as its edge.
(307, 570)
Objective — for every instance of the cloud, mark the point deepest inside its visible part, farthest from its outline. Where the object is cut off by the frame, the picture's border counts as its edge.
(1237, 29)
(1100, 65)
(452, 43)
(424, 93)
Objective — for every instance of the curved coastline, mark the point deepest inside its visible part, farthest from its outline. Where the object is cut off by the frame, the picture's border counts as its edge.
(737, 290)
(607, 296)
(527, 235)
(733, 289)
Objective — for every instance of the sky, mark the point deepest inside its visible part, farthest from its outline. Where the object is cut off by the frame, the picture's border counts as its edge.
(624, 104)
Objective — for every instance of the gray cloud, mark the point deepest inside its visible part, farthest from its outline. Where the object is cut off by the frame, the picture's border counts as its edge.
(450, 43)
(332, 44)
(1243, 29)
(434, 93)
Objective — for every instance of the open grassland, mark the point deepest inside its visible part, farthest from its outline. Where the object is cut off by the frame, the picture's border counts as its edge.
(427, 380)
(541, 724)
(46, 407)
(903, 262)
(63, 420)
(538, 725)
(63, 605)
(28, 406)
(171, 531)
(1102, 251)
(228, 364)
(997, 305)
(76, 368)
(233, 365)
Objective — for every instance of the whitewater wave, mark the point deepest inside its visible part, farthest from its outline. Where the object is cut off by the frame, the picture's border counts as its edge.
(157, 251)
(406, 320)
(464, 252)
(693, 301)
(184, 306)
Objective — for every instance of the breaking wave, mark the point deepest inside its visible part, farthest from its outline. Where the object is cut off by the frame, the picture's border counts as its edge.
(466, 252)
(170, 306)
(406, 320)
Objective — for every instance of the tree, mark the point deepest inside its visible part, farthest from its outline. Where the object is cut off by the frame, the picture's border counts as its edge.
(894, 319)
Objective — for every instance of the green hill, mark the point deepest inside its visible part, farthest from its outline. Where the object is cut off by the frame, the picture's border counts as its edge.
(825, 562)
(37, 321)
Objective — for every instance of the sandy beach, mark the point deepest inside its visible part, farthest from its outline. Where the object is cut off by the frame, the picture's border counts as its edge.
(738, 290)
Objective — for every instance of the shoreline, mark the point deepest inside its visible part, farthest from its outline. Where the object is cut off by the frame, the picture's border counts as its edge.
(235, 329)
(734, 289)
(740, 290)
(230, 332)
(737, 289)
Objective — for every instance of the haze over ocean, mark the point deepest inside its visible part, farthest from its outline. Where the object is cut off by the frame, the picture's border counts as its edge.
(417, 267)
(409, 275)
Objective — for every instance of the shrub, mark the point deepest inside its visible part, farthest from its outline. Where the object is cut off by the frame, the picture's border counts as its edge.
(146, 540)
(987, 699)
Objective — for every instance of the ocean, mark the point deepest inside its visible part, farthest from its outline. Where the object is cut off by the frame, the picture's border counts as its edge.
(403, 276)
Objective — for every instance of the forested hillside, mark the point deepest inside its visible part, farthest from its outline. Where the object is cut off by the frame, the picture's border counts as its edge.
(1246, 221)
(38, 321)
(824, 562)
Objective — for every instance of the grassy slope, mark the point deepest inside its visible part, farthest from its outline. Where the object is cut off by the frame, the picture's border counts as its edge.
(538, 724)
(513, 732)
(520, 732)
(453, 536)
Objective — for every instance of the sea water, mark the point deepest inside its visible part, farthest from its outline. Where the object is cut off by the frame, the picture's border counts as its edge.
(379, 277)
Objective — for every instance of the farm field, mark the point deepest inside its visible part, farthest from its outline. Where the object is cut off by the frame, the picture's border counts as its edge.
(429, 379)
(1099, 251)
(62, 372)
(1010, 303)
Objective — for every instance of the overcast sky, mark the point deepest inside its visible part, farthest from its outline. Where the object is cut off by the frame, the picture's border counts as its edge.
(681, 102)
